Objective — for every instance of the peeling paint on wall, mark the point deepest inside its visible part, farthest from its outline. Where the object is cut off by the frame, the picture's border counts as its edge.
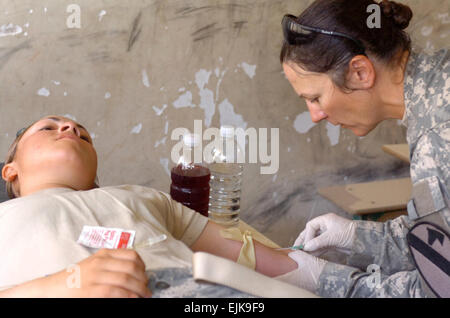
(250, 70)
(101, 14)
(165, 163)
(202, 78)
(185, 100)
(229, 117)
(136, 129)
(208, 100)
(206, 95)
(43, 92)
(159, 111)
(159, 142)
(303, 123)
(208, 105)
(10, 30)
(333, 133)
(145, 80)
(220, 77)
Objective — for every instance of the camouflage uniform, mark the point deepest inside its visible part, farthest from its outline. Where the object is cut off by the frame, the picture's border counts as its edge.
(427, 116)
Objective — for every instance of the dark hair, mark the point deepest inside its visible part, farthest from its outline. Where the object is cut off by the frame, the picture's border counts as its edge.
(332, 54)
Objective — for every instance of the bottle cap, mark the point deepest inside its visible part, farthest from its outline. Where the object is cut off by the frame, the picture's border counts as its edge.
(227, 131)
(191, 140)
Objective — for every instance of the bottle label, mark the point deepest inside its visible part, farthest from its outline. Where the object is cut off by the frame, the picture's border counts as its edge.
(102, 237)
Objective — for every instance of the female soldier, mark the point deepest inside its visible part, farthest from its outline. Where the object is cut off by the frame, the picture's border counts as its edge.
(50, 172)
(355, 76)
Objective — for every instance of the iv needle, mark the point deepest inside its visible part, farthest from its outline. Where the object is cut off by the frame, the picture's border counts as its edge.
(296, 247)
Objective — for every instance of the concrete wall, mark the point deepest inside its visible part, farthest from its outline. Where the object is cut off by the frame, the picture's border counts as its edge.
(136, 70)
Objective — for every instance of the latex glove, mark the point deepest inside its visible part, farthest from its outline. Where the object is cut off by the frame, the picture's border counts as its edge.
(325, 232)
(308, 272)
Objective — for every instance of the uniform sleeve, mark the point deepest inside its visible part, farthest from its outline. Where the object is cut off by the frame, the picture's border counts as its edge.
(183, 223)
(159, 209)
(383, 244)
(345, 281)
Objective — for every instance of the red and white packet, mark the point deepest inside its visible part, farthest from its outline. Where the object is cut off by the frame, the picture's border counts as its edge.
(103, 237)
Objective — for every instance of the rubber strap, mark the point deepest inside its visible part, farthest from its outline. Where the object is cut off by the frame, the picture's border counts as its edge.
(247, 255)
(214, 269)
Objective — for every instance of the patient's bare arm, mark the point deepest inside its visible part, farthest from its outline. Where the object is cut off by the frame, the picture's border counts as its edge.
(268, 261)
(107, 273)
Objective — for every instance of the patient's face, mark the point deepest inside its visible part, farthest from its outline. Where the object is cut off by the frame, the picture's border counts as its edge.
(57, 150)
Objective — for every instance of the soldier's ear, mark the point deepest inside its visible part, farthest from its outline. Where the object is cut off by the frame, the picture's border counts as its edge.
(9, 172)
(361, 73)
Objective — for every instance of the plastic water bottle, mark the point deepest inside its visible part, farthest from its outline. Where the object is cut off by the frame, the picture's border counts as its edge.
(226, 178)
(190, 179)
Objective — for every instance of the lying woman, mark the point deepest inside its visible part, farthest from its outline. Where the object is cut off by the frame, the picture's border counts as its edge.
(50, 173)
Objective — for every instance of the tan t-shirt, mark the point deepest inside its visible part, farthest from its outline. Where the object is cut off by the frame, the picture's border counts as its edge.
(39, 232)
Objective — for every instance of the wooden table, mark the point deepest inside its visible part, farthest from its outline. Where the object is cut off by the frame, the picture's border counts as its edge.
(379, 200)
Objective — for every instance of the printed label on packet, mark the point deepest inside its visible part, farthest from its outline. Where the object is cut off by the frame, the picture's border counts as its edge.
(103, 237)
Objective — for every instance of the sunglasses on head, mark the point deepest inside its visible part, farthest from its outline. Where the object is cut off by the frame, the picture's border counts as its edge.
(296, 33)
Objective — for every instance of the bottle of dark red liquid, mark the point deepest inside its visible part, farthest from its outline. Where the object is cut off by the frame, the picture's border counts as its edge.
(190, 177)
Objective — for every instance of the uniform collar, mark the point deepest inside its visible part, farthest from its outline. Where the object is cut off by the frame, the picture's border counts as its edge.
(408, 85)
(53, 191)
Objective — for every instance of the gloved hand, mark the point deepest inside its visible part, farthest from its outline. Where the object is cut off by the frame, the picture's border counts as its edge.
(325, 232)
(308, 272)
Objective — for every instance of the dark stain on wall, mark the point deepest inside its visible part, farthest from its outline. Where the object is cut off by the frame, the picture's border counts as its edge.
(205, 32)
(135, 32)
(185, 11)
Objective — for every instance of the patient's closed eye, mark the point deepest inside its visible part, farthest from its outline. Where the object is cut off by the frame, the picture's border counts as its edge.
(50, 128)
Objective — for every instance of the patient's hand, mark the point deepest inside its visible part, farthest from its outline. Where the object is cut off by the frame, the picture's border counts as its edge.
(112, 273)
(107, 273)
